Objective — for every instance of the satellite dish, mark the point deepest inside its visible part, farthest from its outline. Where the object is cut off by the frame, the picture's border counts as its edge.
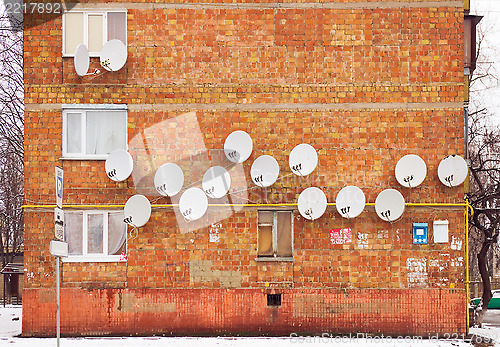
(238, 146)
(113, 55)
(216, 182)
(265, 171)
(119, 165)
(390, 205)
(169, 179)
(193, 204)
(410, 171)
(82, 60)
(452, 170)
(350, 202)
(303, 159)
(312, 203)
(137, 211)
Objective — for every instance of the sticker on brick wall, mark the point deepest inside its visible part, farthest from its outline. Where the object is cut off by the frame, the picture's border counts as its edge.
(123, 257)
(417, 272)
(362, 241)
(340, 236)
(442, 263)
(383, 234)
(456, 243)
(397, 235)
(457, 262)
(214, 232)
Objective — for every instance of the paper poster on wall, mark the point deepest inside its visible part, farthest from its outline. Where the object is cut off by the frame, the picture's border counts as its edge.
(340, 236)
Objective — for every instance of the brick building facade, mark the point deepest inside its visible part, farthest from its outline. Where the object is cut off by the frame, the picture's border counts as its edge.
(363, 82)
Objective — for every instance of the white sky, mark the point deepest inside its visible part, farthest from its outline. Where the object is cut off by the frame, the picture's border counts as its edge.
(489, 91)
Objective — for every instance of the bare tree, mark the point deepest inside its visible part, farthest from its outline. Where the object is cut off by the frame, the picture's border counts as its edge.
(484, 196)
(11, 136)
(483, 144)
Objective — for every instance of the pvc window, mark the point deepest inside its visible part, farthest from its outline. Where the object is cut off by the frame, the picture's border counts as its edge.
(95, 236)
(93, 133)
(92, 28)
(275, 234)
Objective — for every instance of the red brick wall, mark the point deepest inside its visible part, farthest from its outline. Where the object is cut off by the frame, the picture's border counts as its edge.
(240, 311)
(364, 83)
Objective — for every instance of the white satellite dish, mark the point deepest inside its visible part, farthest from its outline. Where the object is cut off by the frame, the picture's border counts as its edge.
(137, 211)
(452, 170)
(113, 55)
(265, 171)
(216, 182)
(238, 146)
(390, 205)
(312, 203)
(193, 204)
(169, 179)
(119, 165)
(82, 60)
(410, 171)
(303, 159)
(350, 202)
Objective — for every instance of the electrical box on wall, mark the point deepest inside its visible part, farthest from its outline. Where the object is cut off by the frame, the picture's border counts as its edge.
(420, 233)
(440, 231)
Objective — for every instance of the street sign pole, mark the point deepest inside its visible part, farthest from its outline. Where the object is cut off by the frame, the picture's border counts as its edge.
(58, 298)
(58, 248)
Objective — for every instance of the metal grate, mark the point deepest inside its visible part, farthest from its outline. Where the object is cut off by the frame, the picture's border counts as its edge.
(273, 299)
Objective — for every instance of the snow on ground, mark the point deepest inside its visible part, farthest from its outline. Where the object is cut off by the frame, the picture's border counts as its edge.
(487, 332)
(10, 321)
(11, 317)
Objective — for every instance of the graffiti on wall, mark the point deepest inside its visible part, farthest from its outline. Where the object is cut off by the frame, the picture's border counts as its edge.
(417, 272)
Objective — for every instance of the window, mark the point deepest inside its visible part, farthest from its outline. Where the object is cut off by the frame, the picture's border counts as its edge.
(95, 235)
(92, 132)
(94, 29)
(275, 236)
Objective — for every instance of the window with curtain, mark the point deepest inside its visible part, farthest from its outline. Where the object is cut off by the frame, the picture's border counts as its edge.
(93, 28)
(275, 234)
(94, 133)
(95, 235)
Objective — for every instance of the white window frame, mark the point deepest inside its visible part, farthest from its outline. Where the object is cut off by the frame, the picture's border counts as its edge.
(82, 109)
(86, 14)
(275, 257)
(85, 257)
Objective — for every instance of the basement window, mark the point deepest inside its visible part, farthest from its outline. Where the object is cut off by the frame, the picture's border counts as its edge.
(273, 299)
(275, 234)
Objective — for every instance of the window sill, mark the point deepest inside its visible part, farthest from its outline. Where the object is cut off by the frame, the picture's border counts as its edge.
(260, 259)
(93, 259)
(84, 158)
(93, 107)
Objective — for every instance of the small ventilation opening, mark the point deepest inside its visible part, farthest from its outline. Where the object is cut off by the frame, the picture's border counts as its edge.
(273, 299)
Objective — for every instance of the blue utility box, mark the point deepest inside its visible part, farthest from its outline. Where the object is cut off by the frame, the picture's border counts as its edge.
(420, 233)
